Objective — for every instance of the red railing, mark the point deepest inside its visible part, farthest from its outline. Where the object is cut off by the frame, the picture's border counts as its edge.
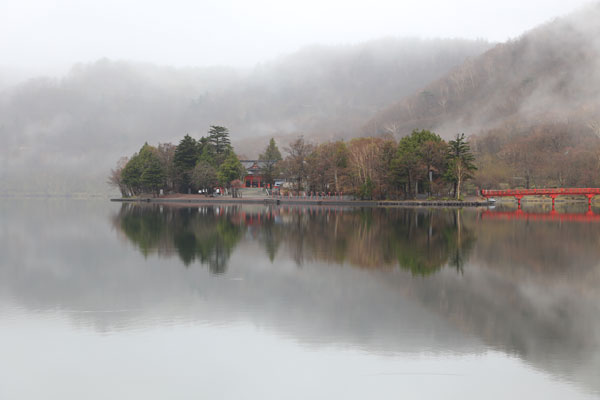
(542, 192)
(552, 193)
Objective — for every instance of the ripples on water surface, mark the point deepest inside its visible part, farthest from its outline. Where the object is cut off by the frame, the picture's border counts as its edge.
(103, 300)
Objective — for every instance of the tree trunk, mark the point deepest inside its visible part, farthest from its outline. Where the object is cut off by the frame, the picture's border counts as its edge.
(458, 179)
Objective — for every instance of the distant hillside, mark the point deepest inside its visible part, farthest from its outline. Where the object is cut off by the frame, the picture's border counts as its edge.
(549, 75)
(332, 90)
(64, 135)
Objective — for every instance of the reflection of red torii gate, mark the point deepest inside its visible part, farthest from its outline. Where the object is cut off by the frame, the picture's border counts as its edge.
(552, 193)
(551, 216)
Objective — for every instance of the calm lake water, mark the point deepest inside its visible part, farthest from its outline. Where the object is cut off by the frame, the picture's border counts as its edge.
(102, 300)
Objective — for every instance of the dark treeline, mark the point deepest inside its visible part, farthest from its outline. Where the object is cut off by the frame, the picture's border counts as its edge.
(381, 168)
(189, 166)
(421, 163)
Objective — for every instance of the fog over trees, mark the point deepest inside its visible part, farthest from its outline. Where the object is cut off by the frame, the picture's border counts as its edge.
(532, 106)
(539, 91)
(64, 135)
(551, 73)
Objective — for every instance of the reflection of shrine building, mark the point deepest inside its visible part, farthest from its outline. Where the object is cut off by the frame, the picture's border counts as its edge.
(253, 176)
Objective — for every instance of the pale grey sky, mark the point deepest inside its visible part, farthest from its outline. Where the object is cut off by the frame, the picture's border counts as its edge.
(37, 35)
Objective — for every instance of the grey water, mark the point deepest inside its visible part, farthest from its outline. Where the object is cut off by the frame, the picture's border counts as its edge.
(106, 300)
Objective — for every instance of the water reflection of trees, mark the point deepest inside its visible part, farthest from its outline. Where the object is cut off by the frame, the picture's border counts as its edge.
(421, 241)
(192, 233)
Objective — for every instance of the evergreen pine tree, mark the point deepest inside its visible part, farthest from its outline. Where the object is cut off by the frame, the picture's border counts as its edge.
(131, 175)
(186, 156)
(270, 158)
(207, 155)
(153, 174)
(460, 163)
(144, 173)
(218, 137)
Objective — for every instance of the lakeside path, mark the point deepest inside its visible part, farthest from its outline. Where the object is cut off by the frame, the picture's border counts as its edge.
(199, 199)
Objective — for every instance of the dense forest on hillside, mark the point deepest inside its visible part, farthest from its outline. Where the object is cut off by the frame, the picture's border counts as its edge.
(551, 73)
(561, 154)
(531, 105)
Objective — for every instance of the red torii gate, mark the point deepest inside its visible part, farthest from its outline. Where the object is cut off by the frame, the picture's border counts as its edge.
(552, 193)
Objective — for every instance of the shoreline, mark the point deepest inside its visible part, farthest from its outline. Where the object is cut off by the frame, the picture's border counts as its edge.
(307, 202)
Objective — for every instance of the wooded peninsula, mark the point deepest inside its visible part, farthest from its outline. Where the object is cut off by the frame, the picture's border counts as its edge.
(421, 164)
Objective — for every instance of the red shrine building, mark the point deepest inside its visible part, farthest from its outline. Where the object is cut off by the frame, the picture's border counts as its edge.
(253, 177)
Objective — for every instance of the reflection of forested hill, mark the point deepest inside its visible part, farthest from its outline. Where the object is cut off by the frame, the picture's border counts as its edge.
(530, 288)
(546, 321)
(518, 291)
(561, 248)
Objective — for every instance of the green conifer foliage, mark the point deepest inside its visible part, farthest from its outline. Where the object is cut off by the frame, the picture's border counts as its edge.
(271, 158)
(218, 137)
(186, 156)
(460, 163)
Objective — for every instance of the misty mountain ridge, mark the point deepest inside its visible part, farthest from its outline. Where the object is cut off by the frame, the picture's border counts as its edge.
(550, 74)
(64, 135)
